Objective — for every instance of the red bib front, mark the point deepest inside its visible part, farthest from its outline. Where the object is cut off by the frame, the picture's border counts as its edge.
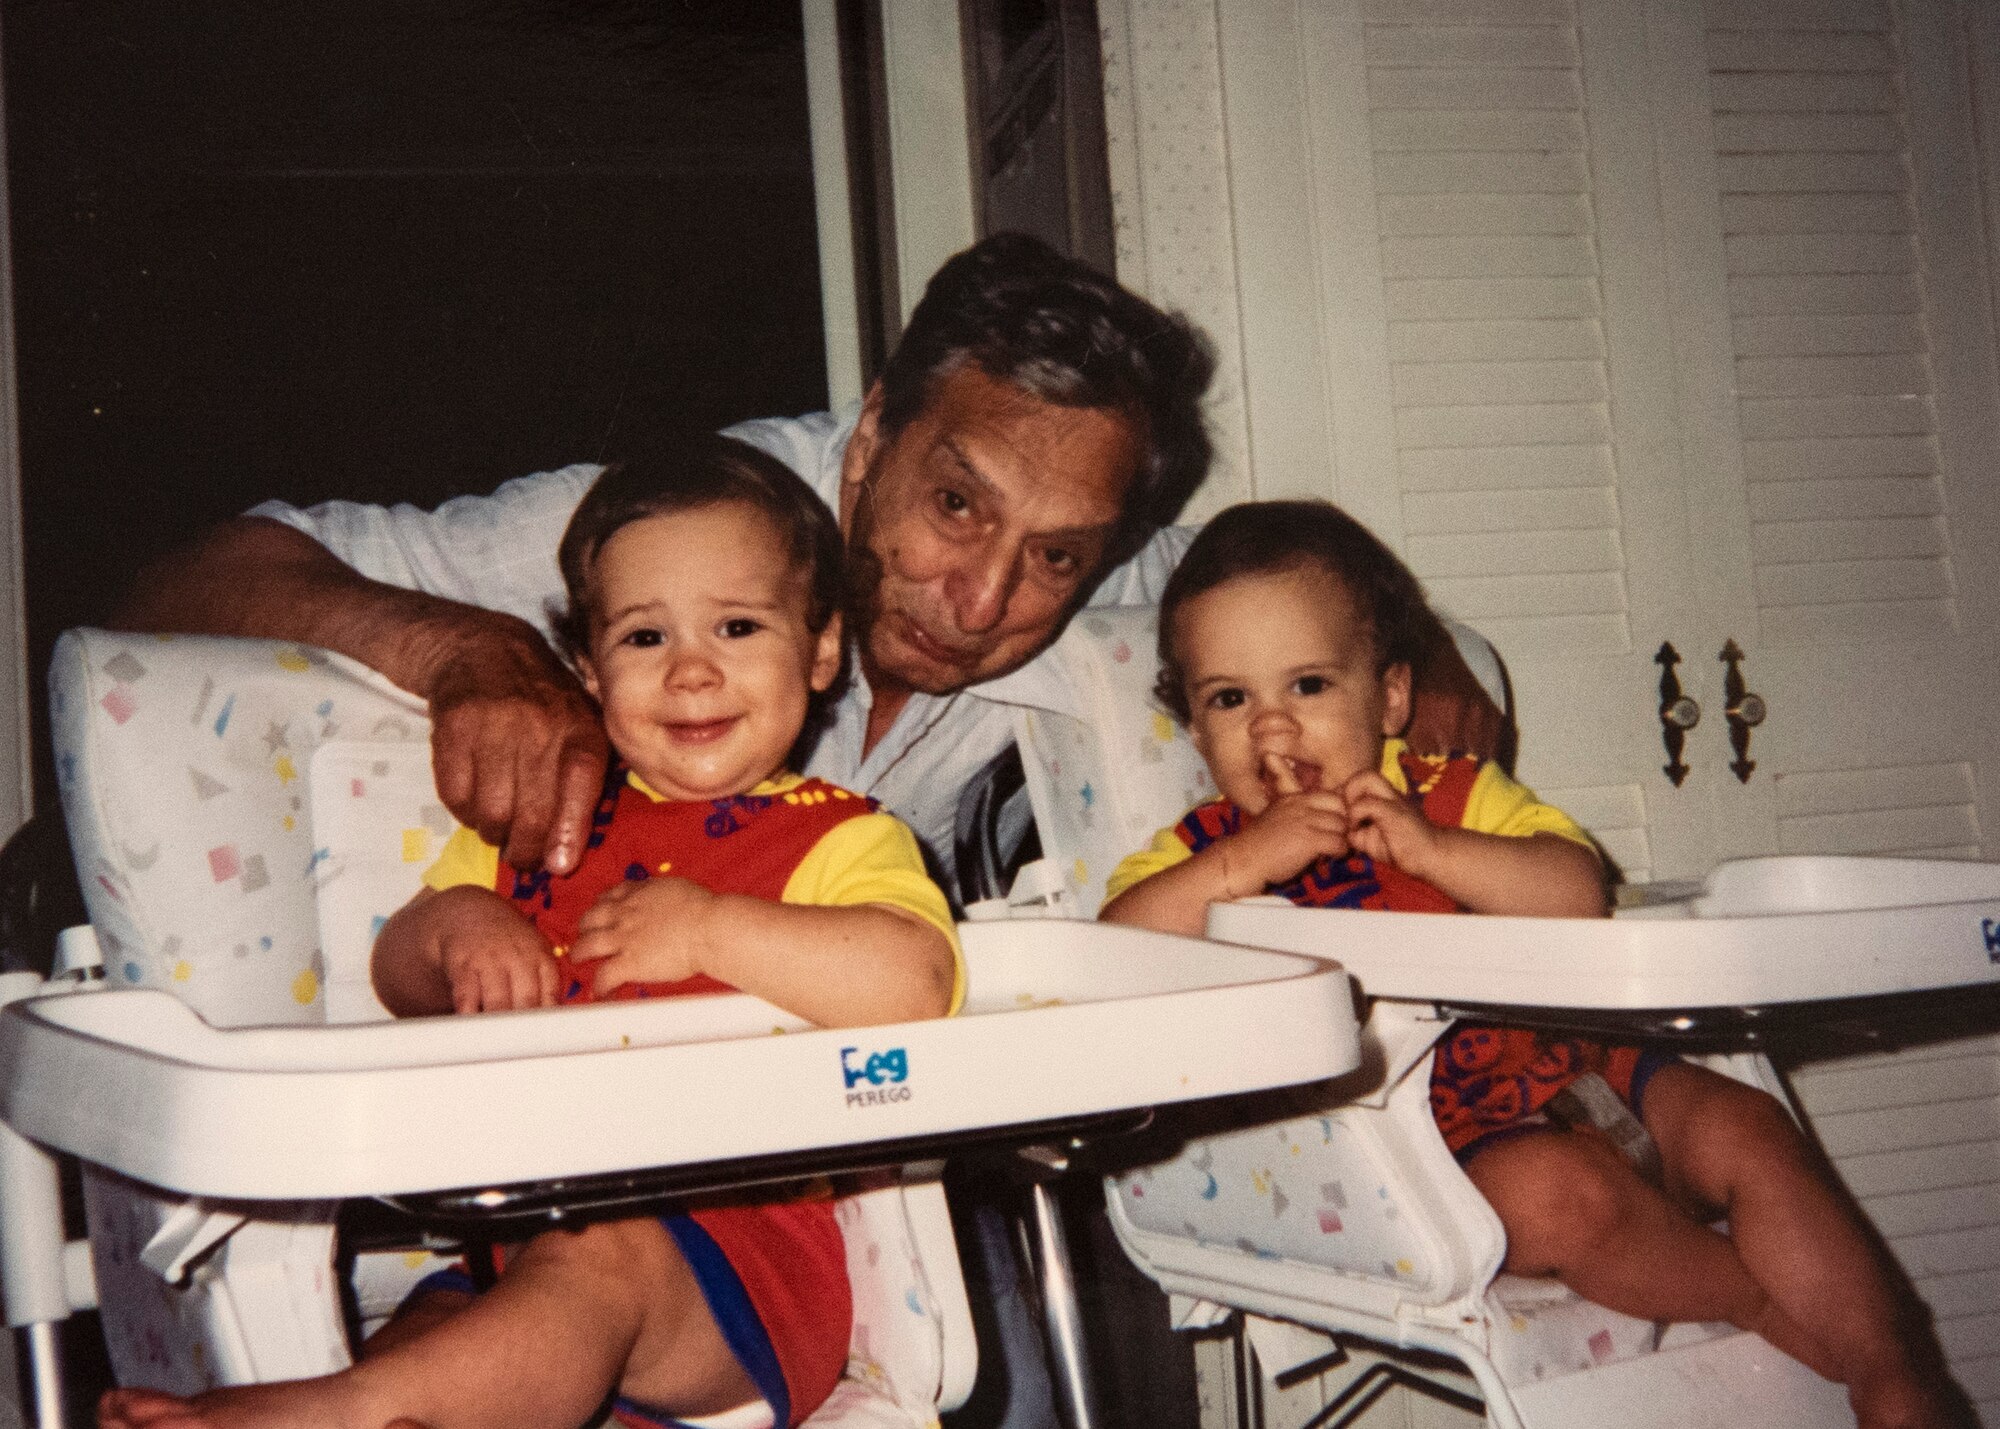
(1486, 1080)
(747, 843)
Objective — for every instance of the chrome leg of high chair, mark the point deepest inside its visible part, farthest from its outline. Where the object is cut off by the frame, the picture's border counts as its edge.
(34, 1289)
(1069, 1368)
(43, 1342)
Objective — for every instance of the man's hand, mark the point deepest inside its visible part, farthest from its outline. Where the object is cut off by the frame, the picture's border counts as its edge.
(517, 748)
(1295, 829)
(1450, 711)
(1387, 827)
(650, 931)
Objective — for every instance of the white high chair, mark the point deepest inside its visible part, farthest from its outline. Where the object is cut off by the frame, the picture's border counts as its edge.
(244, 815)
(1351, 1216)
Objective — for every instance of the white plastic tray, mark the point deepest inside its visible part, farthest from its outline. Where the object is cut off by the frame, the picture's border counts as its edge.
(1063, 1019)
(1759, 932)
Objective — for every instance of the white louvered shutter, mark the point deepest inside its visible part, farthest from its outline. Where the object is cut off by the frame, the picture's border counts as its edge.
(1634, 321)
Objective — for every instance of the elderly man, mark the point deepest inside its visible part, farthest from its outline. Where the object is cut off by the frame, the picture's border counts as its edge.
(1025, 452)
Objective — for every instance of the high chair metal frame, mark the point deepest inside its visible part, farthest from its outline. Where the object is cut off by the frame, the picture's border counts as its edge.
(244, 815)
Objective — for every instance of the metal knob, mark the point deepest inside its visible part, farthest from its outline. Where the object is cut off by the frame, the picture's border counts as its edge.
(1749, 709)
(1743, 708)
(1678, 714)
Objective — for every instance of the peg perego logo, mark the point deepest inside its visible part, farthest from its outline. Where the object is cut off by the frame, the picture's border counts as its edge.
(1990, 931)
(875, 1078)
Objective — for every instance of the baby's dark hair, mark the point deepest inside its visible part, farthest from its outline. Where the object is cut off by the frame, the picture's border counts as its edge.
(1266, 537)
(699, 472)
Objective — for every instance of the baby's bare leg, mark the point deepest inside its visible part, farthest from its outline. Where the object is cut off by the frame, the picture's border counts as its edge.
(1733, 1148)
(1575, 1209)
(576, 1314)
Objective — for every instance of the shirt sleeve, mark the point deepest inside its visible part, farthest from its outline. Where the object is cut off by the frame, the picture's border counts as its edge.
(1166, 850)
(1499, 805)
(467, 858)
(873, 858)
(496, 551)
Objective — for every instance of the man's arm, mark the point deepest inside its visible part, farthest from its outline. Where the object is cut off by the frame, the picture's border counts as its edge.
(517, 747)
(1450, 711)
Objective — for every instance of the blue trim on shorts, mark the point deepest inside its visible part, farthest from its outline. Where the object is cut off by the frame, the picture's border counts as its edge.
(742, 1330)
(1642, 1073)
(1486, 1141)
(455, 1278)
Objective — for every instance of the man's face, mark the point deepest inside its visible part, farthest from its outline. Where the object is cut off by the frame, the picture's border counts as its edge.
(975, 532)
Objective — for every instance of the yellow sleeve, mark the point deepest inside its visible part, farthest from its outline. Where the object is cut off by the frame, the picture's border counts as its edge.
(467, 858)
(873, 858)
(1499, 805)
(1161, 854)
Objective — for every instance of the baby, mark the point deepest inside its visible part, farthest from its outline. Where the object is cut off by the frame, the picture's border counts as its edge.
(1286, 641)
(703, 618)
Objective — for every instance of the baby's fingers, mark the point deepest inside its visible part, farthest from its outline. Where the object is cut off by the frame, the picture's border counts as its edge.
(1323, 813)
(527, 978)
(606, 912)
(465, 994)
(1368, 783)
(478, 988)
(609, 901)
(611, 973)
(594, 943)
(1280, 772)
(1369, 839)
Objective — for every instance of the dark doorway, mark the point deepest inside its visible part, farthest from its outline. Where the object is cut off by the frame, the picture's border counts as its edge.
(391, 250)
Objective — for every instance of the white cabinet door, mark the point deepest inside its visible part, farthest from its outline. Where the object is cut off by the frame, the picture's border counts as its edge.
(1837, 385)
(1636, 323)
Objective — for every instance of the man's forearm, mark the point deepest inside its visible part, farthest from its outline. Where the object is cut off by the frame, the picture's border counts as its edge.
(261, 578)
(516, 744)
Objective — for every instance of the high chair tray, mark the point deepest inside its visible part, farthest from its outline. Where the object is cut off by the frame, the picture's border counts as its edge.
(1063, 1019)
(1759, 932)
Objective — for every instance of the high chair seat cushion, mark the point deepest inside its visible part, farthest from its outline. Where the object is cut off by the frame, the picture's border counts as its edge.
(1310, 1191)
(1540, 1329)
(182, 764)
(1343, 1209)
(1116, 768)
(377, 826)
(260, 1304)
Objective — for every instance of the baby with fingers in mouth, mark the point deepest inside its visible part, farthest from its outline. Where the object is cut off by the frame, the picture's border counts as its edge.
(1286, 640)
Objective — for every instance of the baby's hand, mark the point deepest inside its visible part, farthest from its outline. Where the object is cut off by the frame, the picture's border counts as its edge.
(649, 931)
(1295, 829)
(1387, 827)
(494, 960)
